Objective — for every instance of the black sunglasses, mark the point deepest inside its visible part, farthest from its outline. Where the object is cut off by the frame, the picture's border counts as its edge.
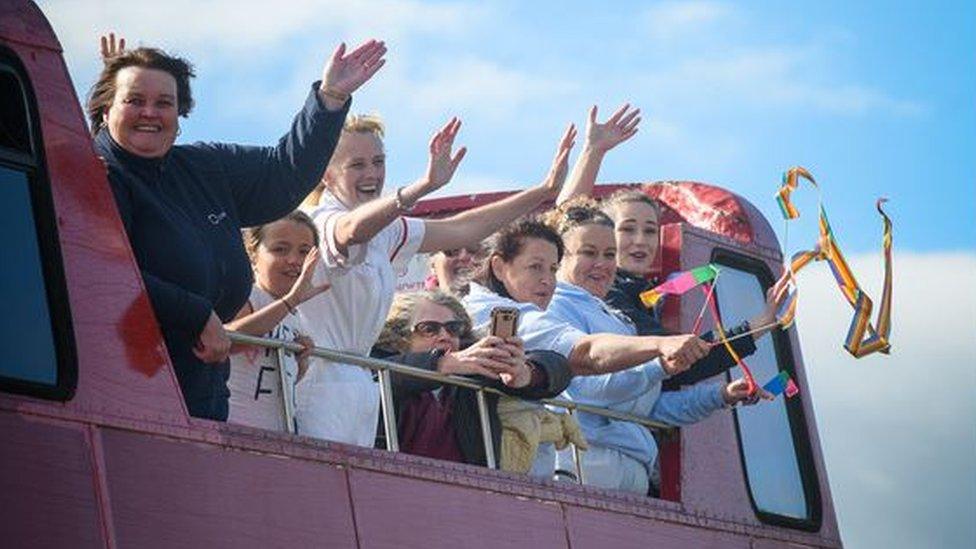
(430, 328)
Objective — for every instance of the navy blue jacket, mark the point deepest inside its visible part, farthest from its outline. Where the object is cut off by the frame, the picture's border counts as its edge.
(624, 295)
(183, 214)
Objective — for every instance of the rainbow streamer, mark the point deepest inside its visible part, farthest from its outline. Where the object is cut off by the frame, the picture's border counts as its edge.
(679, 284)
(863, 337)
(746, 372)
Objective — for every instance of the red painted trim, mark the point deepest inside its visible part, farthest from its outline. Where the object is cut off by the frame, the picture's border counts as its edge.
(403, 239)
(670, 450)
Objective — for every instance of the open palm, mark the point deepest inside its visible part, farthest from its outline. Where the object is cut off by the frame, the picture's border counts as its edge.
(621, 126)
(346, 72)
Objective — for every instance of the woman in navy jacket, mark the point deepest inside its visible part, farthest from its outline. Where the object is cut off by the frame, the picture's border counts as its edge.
(183, 206)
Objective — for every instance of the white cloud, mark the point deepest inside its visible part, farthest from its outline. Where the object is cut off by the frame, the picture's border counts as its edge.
(761, 78)
(669, 20)
(898, 431)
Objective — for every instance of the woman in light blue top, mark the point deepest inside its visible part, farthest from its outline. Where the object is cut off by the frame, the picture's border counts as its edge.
(622, 455)
(520, 272)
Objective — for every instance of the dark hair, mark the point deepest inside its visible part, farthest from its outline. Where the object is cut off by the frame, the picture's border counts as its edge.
(508, 243)
(253, 236)
(579, 211)
(102, 93)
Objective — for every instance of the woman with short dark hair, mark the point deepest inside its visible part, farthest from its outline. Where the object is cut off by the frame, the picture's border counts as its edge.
(183, 205)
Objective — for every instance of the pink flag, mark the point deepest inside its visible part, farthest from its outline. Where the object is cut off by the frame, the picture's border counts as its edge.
(791, 389)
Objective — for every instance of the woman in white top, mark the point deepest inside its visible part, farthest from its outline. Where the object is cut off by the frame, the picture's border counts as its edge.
(283, 255)
(365, 241)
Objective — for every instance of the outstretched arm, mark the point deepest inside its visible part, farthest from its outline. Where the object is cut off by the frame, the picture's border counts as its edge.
(476, 224)
(604, 353)
(600, 138)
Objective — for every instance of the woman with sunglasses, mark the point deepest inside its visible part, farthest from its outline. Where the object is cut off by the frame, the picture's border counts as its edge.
(431, 330)
(622, 455)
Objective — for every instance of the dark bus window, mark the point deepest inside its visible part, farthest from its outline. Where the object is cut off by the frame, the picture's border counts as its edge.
(14, 129)
(37, 353)
(27, 341)
(773, 441)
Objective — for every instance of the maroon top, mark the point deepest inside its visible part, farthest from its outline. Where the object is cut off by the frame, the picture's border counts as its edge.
(426, 428)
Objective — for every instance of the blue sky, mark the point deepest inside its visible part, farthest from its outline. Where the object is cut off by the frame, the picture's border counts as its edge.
(875, 98)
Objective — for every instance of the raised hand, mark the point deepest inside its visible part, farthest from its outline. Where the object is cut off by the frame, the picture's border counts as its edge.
(775, 296)
(560, 163)
(738, 392)
(303, 289)
(442, 165)
(110, 48)
(621, 126)
(346, 72)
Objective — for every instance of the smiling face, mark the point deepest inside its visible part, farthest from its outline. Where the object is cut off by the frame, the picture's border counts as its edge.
(531, 275)
(278, 258)
(143, 115)
(358, 167)
(428, 311)
(591, 258)
(638, 238)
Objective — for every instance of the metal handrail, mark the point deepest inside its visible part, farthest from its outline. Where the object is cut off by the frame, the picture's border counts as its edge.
(384, 367)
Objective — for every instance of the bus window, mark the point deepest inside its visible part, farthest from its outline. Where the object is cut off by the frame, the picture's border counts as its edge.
(37, 355)
(773, 442)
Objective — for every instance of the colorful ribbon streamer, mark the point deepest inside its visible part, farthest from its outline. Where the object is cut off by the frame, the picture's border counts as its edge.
(720, 330)
(782, 383)
(856, 343)
(679, 284)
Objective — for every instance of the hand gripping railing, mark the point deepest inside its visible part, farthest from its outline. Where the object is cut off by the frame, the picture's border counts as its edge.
(383, 369)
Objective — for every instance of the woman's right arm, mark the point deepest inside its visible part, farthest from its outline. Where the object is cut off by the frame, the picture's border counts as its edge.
(596, 354)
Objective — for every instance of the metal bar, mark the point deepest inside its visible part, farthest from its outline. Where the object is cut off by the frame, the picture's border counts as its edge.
(381, 365)
(389, 415)
(287, 391)
(577, 458)
(486, 430)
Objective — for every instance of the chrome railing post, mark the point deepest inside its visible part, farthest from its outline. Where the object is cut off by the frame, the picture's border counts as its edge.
(486, 430)
(287, 391)
(577, 458)
(389, 415)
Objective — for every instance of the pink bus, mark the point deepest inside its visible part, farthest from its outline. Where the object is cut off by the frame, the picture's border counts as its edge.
(99, 451)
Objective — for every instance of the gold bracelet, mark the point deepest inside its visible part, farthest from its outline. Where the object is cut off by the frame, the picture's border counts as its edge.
(334, 93)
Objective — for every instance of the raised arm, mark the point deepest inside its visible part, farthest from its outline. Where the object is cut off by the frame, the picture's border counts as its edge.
(269, 182)
(262, 321)
(476, 224)
(600, 138)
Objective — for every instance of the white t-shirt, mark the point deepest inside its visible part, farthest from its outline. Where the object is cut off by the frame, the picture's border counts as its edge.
(340, 401)
(256, 397)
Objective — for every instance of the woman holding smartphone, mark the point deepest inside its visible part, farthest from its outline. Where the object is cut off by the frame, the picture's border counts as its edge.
(431, 330)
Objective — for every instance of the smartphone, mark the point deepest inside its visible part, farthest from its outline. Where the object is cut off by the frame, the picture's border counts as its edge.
(504, 321)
